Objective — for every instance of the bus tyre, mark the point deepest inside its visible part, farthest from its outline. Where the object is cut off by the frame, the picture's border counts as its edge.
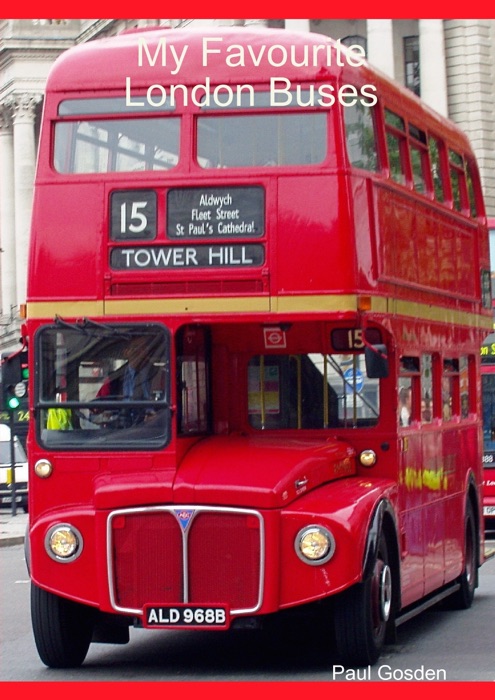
(463, 598)
(362, 613)
(62, 629)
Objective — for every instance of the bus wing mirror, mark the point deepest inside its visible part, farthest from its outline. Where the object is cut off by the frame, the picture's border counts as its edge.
(376, 360)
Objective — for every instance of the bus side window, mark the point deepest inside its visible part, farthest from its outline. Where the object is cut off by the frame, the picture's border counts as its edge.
(426, 388)
(437, 168)
(450, 389)
(408, 391)
(419, 159)
(360, 136)
(465, 386)
(193, 390)
(472, 189)
(396, 146)
(458, 181)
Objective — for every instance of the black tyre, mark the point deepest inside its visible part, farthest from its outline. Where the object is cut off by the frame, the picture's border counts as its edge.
(463, 598)
(62, 629)
(362, 613)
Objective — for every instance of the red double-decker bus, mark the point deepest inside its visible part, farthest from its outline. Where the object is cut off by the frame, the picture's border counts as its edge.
(259, 281)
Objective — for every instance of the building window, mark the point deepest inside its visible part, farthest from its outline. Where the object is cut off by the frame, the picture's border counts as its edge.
(411, 63)
(355, 40)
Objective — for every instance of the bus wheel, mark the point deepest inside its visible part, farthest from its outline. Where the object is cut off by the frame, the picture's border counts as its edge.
(62, 629)
(362, 613)
(463, 598)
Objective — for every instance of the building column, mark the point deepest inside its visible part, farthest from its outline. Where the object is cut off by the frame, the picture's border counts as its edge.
(23, 110)
(7, 213)
(259, 22)
(432, 66)
(380, 43)
(219, 22)
(297, 25)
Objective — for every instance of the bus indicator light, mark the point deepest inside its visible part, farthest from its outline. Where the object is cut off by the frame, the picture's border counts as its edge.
(367, 458)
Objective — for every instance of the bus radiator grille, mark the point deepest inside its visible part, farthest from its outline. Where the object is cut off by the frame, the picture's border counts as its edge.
(222, 549)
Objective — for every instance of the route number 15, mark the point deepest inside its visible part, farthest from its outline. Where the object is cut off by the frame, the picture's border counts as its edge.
(133, 215)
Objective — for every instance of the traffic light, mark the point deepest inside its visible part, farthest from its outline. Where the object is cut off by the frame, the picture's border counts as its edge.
(24, 367)
(15, 375)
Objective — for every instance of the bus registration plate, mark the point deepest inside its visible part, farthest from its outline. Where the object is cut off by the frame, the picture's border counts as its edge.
(489, 510)
(186, 616)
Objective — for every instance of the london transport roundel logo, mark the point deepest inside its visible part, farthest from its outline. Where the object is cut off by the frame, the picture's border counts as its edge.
(274, 338)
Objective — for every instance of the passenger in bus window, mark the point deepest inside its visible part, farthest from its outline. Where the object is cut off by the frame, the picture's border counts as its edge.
(132, 381)
(447, 390)
(426, 412)
(405, 403)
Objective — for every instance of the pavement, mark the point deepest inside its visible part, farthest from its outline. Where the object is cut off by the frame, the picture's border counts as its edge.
(12, 527)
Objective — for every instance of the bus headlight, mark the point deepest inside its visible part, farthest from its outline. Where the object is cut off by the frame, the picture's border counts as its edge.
(63, 542)
(314, 544)
(367, 458)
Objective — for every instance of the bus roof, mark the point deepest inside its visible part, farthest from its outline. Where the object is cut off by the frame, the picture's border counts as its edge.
(233, 56)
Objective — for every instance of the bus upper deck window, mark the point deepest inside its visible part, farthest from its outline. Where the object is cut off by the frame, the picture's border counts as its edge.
(396, 146)
(458, 181)
(116, 145)
(361, 136)
(437, 168)
(296, 138)
(419, 158)
(471, 189)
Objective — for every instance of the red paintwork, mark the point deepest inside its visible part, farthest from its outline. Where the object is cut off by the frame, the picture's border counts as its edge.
(233, 470)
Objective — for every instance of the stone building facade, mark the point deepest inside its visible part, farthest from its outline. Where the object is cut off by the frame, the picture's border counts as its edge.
(449, 63)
